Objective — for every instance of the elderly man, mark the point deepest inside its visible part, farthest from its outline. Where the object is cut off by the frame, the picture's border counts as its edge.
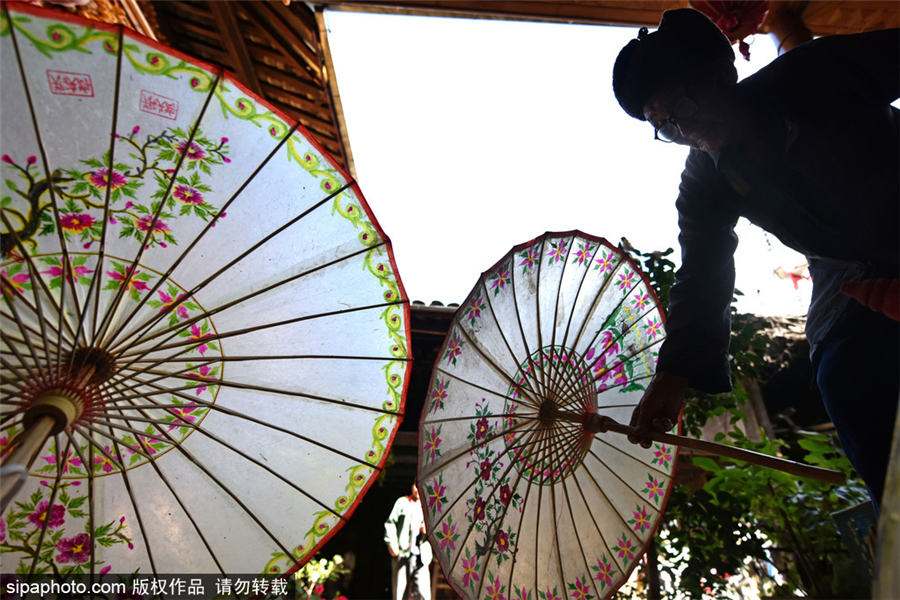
(807, 148)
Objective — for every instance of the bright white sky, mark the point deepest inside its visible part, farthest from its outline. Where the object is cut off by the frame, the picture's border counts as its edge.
(471, 136)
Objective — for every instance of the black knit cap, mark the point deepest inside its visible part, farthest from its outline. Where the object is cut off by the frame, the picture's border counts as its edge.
(685, 41)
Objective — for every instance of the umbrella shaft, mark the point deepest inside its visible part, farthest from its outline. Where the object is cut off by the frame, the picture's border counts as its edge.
(18, 461)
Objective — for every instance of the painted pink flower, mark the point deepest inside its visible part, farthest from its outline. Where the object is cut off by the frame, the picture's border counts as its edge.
(485, 469)
(202, 373)
(653, 328)
(105, 177)
(71, 273)
(147, 221)
(663, 455)
(653, 489)
(14, 283)
(436, 495)
(499, 280)
(625, 548)
(604, 572)
(604, 263)
(470, 571)
(502, 541)
(70, 460)
(168, 301)
(641, 300)
(192, 151)
(641, 520)
(432, 441)
(505, 494)
(473, 310)
(454, 349)
(495, 591)
(54, 517)
(183, 416)
(481, 428)
(447, 536)
(583, 254)
(625, 280)
(2, 530)
(128, 279)
(529, 258)
(145, 445)
(479, 512)
(581, 590)
(187, 195)
(197, 334)
(75, 549)
(101, 461)
(438, 395)
(550, 595)
(76, 222)
(558, 252)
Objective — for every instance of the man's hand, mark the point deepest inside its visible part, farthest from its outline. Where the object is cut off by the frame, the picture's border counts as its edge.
(659, 408)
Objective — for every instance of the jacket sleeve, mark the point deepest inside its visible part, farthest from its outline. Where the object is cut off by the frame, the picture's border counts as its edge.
(698, 326)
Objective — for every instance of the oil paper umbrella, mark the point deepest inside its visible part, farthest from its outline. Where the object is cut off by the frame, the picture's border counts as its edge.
(205, 343)
(532, 490)
(522, 500)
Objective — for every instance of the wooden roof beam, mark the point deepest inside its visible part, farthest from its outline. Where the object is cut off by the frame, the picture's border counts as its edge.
(290, 42)
(234, 43)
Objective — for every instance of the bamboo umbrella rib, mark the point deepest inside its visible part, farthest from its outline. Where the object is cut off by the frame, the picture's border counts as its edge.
(188, 514)
(477, 417)
(587, 567)
(239, 415)
(134, 504)
(101, 332)
(540, 434)
(526, 376)
(237, 332)
(257, 245)
(260, 388)
(20, 299)
(542, 372)
(22, 363)
(556, 547)
(49, 176)
(591, 514)
(528, 486)
(35, 276)
(60, 464)
(502, 373)
(101, 254)
(21, 326)
(93, 445)
(190, 457)
(530, 433)
(204, 431)
(46, 347)
(187, 250)
(584, 274)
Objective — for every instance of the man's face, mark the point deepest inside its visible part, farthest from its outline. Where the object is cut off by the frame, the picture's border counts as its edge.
(690, 115)
(414, 494)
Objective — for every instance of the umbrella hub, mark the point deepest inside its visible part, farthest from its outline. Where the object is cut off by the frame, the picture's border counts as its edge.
(548, 412)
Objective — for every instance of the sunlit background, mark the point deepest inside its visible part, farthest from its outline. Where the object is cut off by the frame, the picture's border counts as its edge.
(471, 136)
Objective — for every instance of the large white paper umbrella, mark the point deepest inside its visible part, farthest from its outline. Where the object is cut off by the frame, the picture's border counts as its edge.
(198, 307)
(524, 500)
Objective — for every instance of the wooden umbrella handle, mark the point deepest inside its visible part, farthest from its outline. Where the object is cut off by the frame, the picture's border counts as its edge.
(597, 423)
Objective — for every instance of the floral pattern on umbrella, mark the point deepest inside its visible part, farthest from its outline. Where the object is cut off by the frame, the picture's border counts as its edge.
(562, 328)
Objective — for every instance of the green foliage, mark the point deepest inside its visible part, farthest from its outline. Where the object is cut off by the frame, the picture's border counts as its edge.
(747, 514)
(314, 575)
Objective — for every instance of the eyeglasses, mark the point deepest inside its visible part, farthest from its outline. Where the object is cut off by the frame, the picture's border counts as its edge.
(669, 130)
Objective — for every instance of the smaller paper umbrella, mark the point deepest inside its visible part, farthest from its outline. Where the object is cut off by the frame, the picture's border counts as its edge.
(523, 501)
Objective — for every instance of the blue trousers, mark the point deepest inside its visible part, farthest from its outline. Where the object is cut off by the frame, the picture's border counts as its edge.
(858, 379)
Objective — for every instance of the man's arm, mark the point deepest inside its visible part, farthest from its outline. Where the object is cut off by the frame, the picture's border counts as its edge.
(391, 527)
(698, 326)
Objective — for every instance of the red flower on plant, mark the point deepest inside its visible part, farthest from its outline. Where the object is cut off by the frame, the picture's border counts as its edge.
(502, 541)
(480, 505)
(145, 223)
(505, 494)
(75, 549)
(481, 428)
(187, 195)
(54, 517)
(76, 222)
(485, 469)
(106, 177)
(192, 151)
(128, 279)
(318, 589)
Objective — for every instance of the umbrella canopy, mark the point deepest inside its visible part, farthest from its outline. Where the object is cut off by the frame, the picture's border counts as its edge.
(523, 499)
(199, 309)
